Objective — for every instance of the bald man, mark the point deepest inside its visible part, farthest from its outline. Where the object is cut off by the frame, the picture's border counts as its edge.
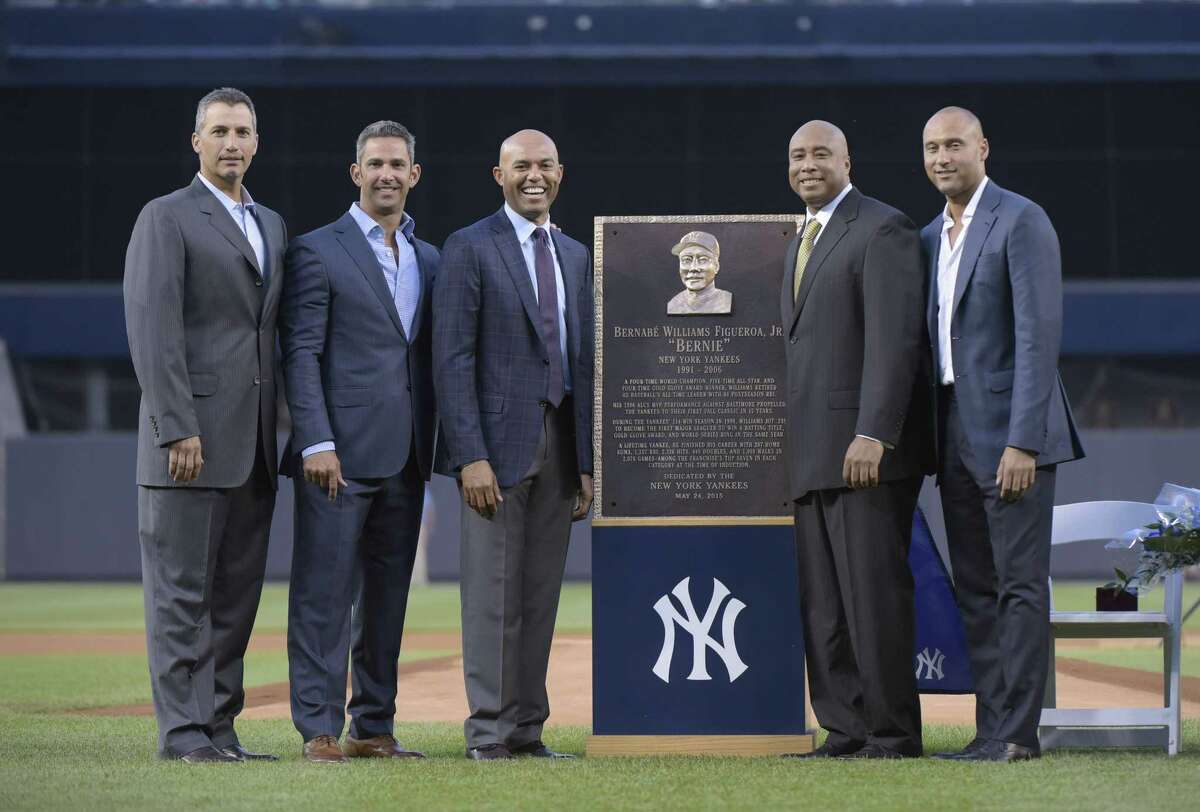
(858, 444)
(512, 352)
(995, 321)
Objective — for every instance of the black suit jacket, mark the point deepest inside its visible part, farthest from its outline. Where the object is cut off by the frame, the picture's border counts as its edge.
(856, 347)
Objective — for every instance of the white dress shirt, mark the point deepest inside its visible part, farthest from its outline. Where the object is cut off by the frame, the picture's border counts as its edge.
(525, 229)
(825, 213)
(243, 215)
(947, 277)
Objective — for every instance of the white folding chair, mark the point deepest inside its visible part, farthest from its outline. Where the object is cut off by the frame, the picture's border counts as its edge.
(1099, 523)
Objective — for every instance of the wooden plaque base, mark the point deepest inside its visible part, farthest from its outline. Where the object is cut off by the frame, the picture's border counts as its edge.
(698, 745)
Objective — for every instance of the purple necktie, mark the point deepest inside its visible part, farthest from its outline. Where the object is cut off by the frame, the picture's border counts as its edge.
(548, 307)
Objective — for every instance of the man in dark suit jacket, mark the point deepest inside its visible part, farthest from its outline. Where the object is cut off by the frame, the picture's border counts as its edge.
(995, 322)
(202, 278)
(355, 327)
(513, 370)
(858, 445)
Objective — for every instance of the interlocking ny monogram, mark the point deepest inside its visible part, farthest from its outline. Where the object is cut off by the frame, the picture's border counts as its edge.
(699, 628)
(930, 663)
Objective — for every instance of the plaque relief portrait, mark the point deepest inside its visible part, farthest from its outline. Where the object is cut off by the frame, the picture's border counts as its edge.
(699, 262)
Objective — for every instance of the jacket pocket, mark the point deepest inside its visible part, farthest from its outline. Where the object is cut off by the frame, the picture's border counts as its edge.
(493, 404)
(340, 396)
(1000, 381)
(203, 383)
(843, 398)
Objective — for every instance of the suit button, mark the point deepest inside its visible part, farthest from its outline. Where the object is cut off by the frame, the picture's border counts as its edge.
(257, 380)
(543, 403)
(258, 283)
(955, 338)
(792, 340)
(546, 361)
(409, 387)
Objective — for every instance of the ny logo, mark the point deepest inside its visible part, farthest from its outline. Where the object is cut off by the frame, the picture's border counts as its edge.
(930, 663)
(698, 628)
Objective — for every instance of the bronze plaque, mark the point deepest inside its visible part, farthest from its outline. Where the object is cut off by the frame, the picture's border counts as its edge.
(690, 371)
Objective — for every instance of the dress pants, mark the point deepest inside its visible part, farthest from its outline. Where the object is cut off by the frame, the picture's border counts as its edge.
(204, 555)
(512, 569)
(856, 601)
(351, 568)
(1000, 557)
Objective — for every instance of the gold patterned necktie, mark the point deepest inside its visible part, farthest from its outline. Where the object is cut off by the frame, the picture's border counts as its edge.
(806, 246)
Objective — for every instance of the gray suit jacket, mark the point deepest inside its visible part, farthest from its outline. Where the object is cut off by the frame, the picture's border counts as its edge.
(1005, 331)
(201, 328)
(491, 372)
(856, 347)
(351, 374)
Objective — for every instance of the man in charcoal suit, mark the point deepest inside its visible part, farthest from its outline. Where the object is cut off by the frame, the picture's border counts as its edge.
(355, 328)
(995, 322)
(513, 371)
(203, 274)
(858, 444)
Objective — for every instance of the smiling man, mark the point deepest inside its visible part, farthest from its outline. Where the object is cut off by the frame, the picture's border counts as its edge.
(202, 280)
(858, 445)
(513, 370)
(699, 263)
(356, 334)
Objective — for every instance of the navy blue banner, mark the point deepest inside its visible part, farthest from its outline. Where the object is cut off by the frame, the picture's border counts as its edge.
(940, 660)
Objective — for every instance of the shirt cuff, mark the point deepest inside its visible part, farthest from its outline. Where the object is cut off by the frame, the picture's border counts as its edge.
(314, 449)
(888, 446)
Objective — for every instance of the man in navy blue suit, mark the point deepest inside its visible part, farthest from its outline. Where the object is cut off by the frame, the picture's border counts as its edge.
(356, 336)
(995, 323)
(512, 354)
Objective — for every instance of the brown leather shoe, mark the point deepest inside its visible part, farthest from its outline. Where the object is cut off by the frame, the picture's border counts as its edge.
(378, 747)
(324, 750)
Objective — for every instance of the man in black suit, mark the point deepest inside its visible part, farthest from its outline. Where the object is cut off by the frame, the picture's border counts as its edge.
(858, 445)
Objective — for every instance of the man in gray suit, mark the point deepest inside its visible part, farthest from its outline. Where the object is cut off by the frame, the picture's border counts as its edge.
(512, 351)
(202, 278)
(995, 321)
(858, 444)
(355, 330)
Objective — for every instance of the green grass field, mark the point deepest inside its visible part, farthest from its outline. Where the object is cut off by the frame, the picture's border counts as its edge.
(53, 758)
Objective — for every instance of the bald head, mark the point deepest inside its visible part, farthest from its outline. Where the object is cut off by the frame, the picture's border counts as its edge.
(955, 153)
(529, 173)
(818, 163)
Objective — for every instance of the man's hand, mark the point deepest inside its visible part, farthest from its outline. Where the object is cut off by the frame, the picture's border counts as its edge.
(583, 499)
(325, 469)
(861, 466)
(481, 489)
(1015, 474)
(184, 459)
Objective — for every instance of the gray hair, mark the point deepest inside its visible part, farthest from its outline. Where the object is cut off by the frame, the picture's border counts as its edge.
(224, 95)
(386, 129)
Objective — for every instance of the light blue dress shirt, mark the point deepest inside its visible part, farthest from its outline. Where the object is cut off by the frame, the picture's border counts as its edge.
(243, 216)
(401, 271)
(525, 229)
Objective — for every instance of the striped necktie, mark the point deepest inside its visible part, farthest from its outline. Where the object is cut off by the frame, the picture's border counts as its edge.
(806, 246)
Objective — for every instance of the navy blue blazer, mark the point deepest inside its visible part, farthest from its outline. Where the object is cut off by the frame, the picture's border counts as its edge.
(491, 371)
(1006, 331)
(350, 373)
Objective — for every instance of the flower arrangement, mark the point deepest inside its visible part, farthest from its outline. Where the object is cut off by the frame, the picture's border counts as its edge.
(1172, 543)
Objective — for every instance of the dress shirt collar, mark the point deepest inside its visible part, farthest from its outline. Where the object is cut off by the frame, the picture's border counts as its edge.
(368, 224)
(827, 210)
(228, 202)
(524, 227)
(968, 212)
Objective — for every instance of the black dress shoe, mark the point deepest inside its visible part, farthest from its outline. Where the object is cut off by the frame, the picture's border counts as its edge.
(242, 754)
(1005, 752)
(976, 744)
(873, 750)
(201, 755)
(489, 752)
(538, 750)
(828, 750)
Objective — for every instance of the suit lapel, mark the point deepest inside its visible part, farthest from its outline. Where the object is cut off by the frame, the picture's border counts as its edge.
(505, 238)
(352, 239)
(426, 284)
(787, 305)
(274, 255)
(933, 246)
(981, 226)
(221, 220)
(827, 240)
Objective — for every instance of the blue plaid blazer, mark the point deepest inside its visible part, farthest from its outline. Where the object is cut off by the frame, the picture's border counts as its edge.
(490, 371)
